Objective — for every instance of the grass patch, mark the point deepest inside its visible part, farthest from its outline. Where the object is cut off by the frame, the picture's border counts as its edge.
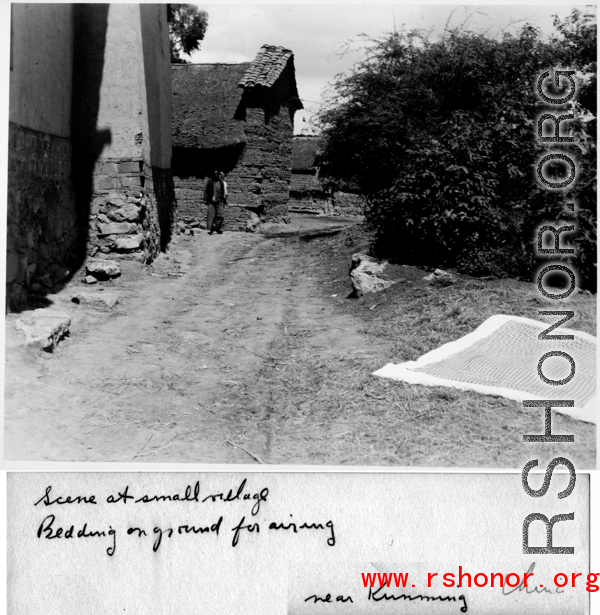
(321, 405)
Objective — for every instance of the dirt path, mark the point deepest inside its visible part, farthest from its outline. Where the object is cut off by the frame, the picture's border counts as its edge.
(185, 367)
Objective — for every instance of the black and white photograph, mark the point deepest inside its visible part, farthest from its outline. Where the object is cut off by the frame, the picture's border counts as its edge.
(300, 234)
(300, 308)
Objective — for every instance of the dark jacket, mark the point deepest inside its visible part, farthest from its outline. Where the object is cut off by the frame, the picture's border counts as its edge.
(208, 191)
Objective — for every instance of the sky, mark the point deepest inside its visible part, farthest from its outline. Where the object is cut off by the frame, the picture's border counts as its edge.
(319, 34)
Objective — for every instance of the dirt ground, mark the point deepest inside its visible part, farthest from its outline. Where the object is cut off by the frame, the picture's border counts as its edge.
(170, 373)
(242, 349)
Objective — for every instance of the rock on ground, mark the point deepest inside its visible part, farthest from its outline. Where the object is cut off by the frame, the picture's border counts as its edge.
(440, 278)
(44, 328)
(93, 299)
(103, 269)
(253, 223)
(278, 229)
(364, 275)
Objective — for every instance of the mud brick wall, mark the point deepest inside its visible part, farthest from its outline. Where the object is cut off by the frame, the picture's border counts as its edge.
(41, 213)
(265, 169)
(318, 203)
(246, 133)
(132, 209)
(259, 182)
(189, 192)
(191, 207)
(348, 204)
(306, 192)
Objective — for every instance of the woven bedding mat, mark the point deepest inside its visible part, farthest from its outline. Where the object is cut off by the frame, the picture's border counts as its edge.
(501, 358)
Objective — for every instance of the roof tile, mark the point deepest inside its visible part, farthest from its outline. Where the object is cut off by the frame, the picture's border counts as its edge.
(266, 67)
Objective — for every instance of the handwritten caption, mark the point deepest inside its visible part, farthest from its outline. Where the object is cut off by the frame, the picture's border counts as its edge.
(51, 527)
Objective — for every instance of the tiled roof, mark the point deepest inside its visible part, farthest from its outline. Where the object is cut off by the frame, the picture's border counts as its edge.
(266, 67)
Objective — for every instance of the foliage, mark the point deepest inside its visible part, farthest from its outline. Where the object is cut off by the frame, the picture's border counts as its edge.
(440, 137)
(580, 36)
(187, 27)
(580, 44)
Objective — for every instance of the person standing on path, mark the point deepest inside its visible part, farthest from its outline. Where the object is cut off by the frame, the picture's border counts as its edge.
(215, 197)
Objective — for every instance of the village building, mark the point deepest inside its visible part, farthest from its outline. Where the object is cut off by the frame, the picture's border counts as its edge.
(310, 190)
(89, 140)
(307, 193)
(238, 118)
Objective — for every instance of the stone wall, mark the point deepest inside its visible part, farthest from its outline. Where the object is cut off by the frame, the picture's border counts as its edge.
(41, 214)
(132, 209)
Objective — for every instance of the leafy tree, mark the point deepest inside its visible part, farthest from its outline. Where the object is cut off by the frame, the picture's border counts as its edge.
(579, 32)
(187, 27)
(440, 138)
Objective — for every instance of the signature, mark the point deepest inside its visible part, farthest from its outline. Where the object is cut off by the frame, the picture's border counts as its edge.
(531, 589)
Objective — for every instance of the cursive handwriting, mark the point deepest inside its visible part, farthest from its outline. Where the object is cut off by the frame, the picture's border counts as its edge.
(78, 499)
(289, 527)
(49, 532)
(191, 494)
(182, 529)
(533, 590)
(327, 598)
(305, 526)
(260, 496)
(186, 497)
(377, 596)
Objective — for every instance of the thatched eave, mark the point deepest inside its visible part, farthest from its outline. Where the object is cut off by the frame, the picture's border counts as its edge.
(205, 105)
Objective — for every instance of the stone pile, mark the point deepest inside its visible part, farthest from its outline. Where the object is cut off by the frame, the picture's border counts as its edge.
(117, 224)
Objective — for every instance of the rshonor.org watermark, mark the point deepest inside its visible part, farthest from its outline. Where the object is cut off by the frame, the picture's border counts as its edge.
(562, 78)
(509, 582)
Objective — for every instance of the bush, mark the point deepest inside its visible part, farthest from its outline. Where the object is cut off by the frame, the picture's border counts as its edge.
(440, 137)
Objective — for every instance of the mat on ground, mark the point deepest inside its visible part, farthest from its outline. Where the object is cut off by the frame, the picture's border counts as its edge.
(501, 358)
